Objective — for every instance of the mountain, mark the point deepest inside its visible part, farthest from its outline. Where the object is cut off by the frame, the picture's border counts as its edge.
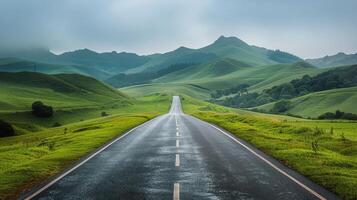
(114, 63)
(340, 59)
(111, 62)
(232, 47)
(31, 54)
(223, 47)
(19, 65)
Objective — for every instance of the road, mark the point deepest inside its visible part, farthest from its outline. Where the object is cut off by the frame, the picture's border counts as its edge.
(176, 156)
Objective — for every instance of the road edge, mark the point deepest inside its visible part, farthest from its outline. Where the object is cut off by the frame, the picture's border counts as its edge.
(33, 192)
(318, 191)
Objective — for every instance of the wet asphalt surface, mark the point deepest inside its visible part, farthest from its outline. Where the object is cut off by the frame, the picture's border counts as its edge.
(141, 165)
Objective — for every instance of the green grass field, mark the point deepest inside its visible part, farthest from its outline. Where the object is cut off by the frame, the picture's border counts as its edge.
(40, 150)
(30, 158)
(167, 88)
(317, 103)
(288, 139)
(198, 81)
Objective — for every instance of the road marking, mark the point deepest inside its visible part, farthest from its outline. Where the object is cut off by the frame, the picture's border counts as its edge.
(271, 164)
(81, 163)
(177, 128)
(177, 134)
(177, 143)
(177, 162)
(176, 191)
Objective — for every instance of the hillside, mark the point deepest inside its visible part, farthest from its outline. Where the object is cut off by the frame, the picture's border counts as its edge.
(341, 77)
(191, 90)
(317, 103)
(227, 73)
(19, 90)
(340, 59)
(73, 97)
(110, 62)
(232, 47)
(20, 65)
(223, 48)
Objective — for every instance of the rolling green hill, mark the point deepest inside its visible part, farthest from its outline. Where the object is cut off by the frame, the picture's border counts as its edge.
(167, 88)
(74, 98)
(227, 73)
(317, 103)
(340, 59)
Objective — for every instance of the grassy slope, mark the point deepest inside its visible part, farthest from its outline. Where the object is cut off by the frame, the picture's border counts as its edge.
(288, 139)
(317, 103)
(74, 98)
(211, 76)
(167, 88)
(29, 159)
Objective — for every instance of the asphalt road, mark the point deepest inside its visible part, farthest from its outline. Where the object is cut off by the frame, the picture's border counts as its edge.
(176, 156)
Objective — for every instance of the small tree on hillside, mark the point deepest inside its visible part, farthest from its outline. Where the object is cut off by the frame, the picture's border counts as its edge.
(6, 129)
(281, 106)
(41, 110)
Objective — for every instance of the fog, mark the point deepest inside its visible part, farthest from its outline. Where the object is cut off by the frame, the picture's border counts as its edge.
(305, 28)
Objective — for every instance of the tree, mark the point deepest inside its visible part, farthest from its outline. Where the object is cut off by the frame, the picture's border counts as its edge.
(281, 106)
(6, 129)
(41, 110)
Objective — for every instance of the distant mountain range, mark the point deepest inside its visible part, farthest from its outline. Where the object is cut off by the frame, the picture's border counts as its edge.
(112, 63)
(339, 59)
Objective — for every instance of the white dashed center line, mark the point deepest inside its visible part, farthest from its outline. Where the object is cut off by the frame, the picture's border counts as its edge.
(176, 191)
(177, 162)
(177, 143)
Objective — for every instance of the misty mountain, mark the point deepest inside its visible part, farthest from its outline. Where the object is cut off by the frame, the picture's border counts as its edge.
(339, 59)
(107, 64)
(108, 61)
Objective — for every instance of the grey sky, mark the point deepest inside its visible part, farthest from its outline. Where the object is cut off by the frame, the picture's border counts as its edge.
(307, 28)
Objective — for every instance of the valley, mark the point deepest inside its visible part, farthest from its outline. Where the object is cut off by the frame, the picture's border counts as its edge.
(98, 97)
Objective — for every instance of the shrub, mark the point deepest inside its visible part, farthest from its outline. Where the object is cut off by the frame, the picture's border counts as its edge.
(338, 115)
(281, 106)
(104, 114)
(56, 124)
(6, 129)
(315, 145)
(41, 110)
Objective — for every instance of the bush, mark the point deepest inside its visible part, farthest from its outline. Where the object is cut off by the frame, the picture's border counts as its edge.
(104, 114)
(56, 124)
(6, 129)
(338, 115)
(281, 106)
(41, 110)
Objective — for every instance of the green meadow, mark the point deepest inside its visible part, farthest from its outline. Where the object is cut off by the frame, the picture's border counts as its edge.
(317, 103)
(28, 159)
(43, 147)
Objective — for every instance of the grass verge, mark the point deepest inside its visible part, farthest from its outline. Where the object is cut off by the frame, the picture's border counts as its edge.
(28, 159)
(310, 147)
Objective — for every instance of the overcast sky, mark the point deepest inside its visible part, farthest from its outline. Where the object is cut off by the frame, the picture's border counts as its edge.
(307, 28)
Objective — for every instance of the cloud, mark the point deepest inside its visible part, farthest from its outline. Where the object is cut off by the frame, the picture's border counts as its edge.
(306, 28)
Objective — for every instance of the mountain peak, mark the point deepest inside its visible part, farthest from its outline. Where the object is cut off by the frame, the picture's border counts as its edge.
(230, 41)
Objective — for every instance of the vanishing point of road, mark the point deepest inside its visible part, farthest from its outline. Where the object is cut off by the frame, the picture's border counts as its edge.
(176, 156)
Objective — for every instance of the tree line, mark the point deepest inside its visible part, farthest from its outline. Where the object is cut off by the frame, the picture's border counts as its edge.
(337, 78)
